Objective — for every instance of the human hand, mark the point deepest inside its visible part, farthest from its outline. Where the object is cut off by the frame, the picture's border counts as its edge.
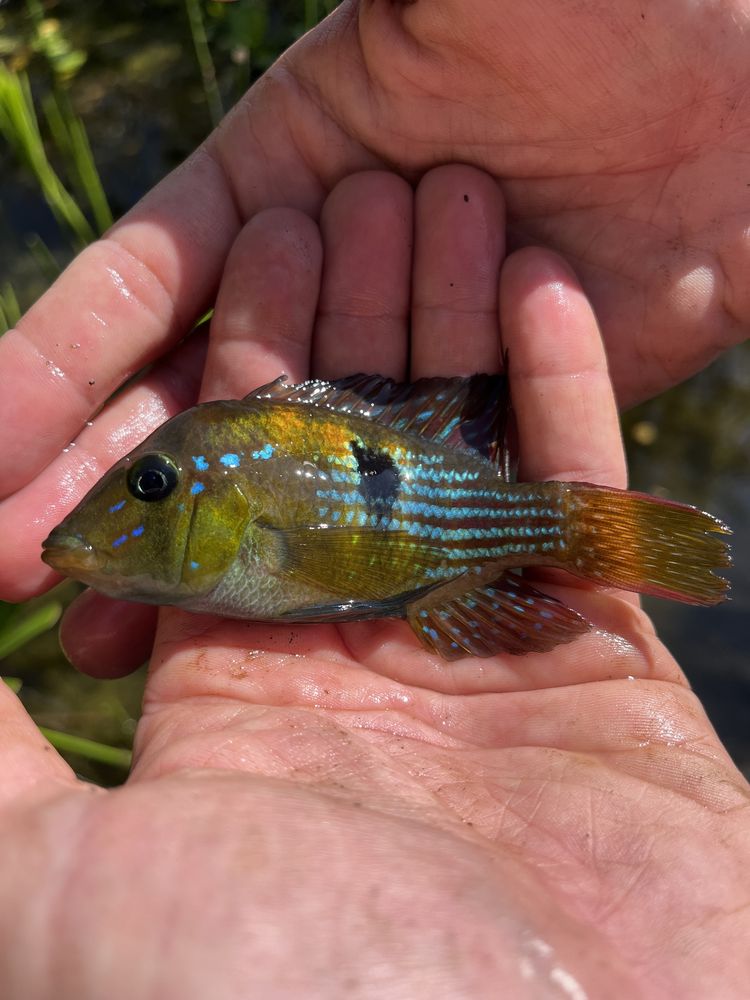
(334, 812)
(619, 135)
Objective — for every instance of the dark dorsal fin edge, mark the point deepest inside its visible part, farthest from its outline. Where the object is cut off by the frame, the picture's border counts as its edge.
(470, 414)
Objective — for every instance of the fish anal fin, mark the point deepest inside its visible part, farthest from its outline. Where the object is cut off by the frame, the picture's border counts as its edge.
(505, 616)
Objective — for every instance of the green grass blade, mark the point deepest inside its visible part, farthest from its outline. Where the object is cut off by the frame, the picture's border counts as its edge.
(69, 135)
(205, 62)
(16, 634)
(90, 749)
(89, 176)
(19, 125)
(10, 311)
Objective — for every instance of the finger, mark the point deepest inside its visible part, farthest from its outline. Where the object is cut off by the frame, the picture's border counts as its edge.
(363, 313)
(27, 517)
(30, 766)
(118, 306)
(105, 638)
(459, 246)
(568, 425)
(265, 310)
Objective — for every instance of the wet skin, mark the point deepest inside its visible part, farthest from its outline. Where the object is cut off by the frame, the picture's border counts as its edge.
(332, 811)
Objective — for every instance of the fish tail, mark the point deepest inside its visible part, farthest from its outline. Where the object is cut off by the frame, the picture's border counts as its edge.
(642, 543)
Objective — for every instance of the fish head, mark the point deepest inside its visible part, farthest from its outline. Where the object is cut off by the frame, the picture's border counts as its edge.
(160, 527)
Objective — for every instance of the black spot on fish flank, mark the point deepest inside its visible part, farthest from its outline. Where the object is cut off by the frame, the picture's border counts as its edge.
(379, 478)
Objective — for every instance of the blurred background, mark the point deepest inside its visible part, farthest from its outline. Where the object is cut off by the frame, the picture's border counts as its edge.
(97, 102)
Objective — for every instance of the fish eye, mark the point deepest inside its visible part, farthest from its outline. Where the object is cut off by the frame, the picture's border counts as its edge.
(153, 477)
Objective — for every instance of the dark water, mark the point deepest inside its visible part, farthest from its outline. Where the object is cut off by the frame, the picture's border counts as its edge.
(141, 97)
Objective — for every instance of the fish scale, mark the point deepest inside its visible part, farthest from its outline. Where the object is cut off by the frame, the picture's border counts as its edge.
(364, 498)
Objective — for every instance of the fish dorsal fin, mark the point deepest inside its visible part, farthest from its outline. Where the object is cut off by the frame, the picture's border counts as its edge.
(469, 414)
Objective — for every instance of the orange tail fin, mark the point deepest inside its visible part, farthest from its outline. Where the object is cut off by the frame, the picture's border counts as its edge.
(646, 544)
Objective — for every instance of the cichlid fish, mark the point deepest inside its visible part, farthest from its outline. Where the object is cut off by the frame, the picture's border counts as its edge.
(364, 498)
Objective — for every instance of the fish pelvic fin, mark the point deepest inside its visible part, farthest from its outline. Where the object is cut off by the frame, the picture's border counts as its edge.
(506, 616)
(645, 544)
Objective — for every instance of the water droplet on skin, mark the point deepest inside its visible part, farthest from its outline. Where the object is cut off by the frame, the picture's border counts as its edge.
(119, 282)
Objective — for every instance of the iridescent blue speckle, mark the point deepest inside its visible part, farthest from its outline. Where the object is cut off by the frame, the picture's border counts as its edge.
(119, 541)
(197, 488)
(137, 532)
(231, 460)
(194, 565)
(117, 506)
(265, 452)
(200, 463)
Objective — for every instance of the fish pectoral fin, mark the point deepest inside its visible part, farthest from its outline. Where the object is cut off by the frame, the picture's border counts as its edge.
(358, 564)
(506, 616)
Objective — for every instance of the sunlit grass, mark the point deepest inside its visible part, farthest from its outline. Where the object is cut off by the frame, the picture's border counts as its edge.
(19, 126)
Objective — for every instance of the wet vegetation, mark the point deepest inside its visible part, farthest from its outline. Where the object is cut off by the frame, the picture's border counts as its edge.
(97, 103)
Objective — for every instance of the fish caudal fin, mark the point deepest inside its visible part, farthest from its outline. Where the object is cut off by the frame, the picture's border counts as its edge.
(642, 543)
(507, 616)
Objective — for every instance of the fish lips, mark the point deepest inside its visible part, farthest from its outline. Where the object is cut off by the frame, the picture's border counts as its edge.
(70, 554)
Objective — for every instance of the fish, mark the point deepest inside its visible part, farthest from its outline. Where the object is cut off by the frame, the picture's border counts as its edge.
(364, 498)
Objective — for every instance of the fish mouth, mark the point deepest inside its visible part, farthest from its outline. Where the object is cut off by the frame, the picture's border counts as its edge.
(69, 554)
